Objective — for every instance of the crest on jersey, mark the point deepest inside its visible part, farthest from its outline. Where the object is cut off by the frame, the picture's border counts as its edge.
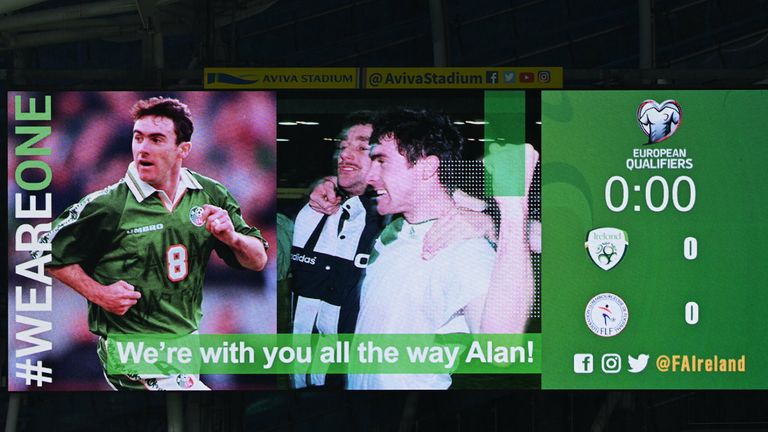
(196, 216)
(606, 246)
(185, 382)
(659, 120)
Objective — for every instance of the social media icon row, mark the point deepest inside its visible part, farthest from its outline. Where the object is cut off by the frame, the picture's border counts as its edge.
(492, 77)
(609, 363)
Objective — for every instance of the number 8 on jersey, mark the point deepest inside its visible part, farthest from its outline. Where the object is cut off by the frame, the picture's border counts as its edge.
(176, 261)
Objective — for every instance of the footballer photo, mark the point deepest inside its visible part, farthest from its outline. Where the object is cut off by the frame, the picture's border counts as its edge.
(134, 213)
(398, 219)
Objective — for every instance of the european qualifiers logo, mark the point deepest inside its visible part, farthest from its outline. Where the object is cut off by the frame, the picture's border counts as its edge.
(606, 246)
(606, 315)
(659, 121)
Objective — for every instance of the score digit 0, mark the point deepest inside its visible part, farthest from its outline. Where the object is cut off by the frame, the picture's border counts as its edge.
(690, 248)
(692, 313)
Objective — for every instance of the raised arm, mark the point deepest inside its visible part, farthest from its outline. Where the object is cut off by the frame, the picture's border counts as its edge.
(510, 293)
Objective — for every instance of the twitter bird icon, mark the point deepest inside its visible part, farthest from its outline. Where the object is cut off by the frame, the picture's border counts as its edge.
(638, 364)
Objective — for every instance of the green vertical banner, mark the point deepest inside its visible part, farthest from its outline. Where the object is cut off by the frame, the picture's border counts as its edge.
(504, 132)
(654, 208)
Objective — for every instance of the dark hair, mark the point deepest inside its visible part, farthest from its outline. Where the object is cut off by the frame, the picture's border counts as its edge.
(173, 109)
(421, 133)
(354, 119)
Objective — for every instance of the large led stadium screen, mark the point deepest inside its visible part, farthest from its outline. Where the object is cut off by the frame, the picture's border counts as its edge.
(469, 239)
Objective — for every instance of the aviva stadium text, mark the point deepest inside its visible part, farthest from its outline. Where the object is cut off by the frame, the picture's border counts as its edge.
(433, 78)
(307, 78)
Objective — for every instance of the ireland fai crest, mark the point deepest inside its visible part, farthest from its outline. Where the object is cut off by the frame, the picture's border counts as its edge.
(195, 216)
(185, 382)
(659, 120)
(606, 246)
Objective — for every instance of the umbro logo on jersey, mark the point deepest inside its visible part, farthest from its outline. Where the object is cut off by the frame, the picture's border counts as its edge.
(144, 229)
(303, 258)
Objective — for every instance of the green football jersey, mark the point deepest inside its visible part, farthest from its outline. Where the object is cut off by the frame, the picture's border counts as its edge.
(122, 233)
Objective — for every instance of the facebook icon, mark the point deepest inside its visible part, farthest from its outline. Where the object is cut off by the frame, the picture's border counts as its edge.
(582, 363)
(491, 77)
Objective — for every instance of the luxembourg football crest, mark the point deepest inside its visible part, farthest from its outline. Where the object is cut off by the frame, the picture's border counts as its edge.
(659, 120)
(606, 246)
(606, 315)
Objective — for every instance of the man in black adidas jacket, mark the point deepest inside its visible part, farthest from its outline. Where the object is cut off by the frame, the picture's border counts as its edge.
(329, 251)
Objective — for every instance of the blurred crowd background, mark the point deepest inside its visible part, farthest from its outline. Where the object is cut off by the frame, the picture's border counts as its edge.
(233, 142)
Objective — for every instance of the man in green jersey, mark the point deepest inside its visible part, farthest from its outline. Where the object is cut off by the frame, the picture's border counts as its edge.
(138, 249)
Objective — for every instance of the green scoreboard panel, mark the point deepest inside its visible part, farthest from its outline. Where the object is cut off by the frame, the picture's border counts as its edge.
(655, 229)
